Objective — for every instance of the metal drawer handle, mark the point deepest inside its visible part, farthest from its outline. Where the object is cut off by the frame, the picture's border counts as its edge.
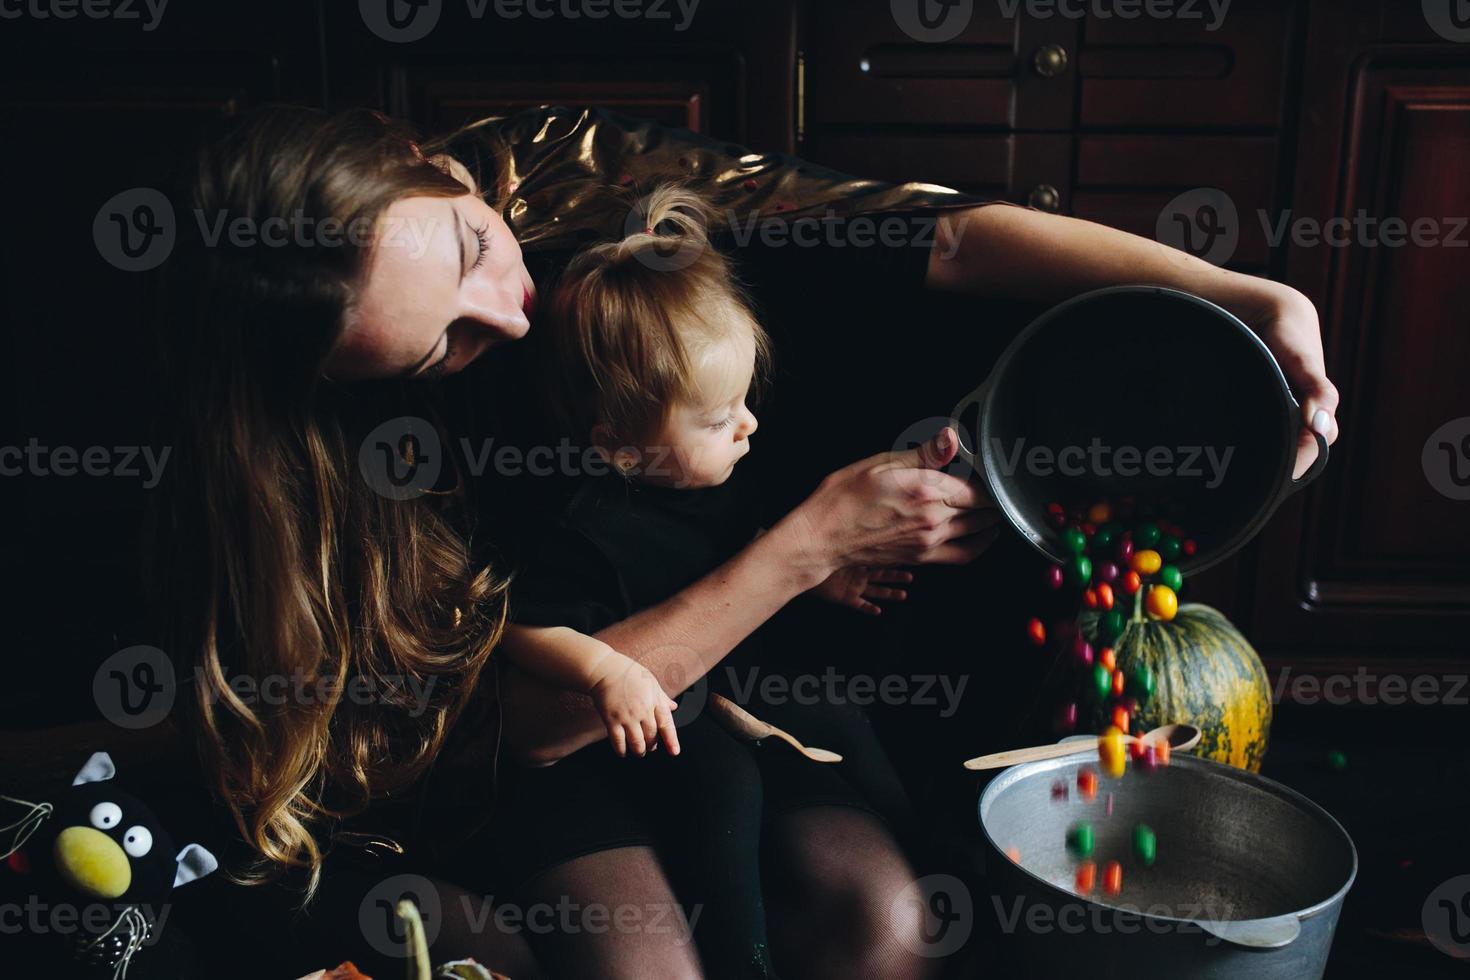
(1050, 60)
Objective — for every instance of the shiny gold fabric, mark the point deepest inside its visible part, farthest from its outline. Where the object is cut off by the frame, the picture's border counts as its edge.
(558, 163)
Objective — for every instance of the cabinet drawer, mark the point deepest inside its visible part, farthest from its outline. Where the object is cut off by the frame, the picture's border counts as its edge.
(1176, 72)
(863, 68)
(974, 164)
(1128, 181)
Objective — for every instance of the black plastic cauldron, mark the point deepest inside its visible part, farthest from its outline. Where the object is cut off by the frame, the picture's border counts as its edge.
(1138, 391)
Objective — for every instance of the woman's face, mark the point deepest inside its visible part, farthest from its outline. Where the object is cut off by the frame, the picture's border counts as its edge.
(445, 283)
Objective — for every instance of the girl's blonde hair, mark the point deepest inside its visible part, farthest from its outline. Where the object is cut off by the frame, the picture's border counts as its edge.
(628, 318)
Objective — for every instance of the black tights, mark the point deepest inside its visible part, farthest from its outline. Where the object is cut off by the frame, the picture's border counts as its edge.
(832, 873)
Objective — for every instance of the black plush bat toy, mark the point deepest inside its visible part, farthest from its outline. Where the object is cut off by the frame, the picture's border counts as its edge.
(102, 852)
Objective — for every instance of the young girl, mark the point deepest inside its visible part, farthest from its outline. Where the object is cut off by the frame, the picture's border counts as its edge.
(652, 354)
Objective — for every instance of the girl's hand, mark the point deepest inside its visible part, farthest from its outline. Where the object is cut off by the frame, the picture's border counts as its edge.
(896, 508)
(858, 586)
(634, 707)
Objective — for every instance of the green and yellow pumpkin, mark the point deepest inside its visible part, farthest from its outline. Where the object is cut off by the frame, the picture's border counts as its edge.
(1206, 675)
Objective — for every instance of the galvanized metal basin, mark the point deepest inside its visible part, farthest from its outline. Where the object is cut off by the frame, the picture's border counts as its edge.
(1248, 882)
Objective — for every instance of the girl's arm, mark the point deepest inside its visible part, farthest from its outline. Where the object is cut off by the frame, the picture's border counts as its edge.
(895, 508)
(559, 655)
(632, 706)
(1015, 252)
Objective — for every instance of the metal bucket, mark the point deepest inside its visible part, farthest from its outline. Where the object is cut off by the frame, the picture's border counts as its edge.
(1248, 882)
(1145, 391)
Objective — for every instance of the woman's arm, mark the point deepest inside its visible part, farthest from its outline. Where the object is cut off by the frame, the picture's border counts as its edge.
(1031, 255)
(893, 508)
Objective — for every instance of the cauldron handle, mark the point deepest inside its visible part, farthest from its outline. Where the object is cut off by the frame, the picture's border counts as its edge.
(970, 401)
(1257, 933)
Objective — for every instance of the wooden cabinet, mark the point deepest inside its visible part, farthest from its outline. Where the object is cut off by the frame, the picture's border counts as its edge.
(1371, 567)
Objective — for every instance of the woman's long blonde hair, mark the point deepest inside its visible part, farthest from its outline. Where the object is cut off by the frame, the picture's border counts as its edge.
(275, 557)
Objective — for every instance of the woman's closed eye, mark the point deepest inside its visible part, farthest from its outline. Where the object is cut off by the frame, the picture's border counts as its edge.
(483, 234)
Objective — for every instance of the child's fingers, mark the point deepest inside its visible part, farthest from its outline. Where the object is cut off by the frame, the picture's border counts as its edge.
(618, 739)
(879, 592)
(667, 731)
(865, 607)
(650, 728)
(895, 576)
(635, 739)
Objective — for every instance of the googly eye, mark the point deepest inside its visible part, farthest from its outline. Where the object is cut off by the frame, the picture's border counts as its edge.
(105, 816)
(138, 841)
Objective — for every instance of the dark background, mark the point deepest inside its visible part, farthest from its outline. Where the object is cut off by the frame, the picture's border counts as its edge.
(1318, 108)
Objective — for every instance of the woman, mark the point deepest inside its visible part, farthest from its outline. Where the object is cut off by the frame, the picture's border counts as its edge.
(282, 560)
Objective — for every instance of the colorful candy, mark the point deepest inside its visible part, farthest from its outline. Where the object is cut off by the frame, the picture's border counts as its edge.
(1087, 784)
(1170, 575)
(1054, 577)
(1142, 683)
(1113, 878)
(1120, 718)
(1100, 512)
(1081, 570)
(1145, 844)
(1108, 658)
(1080, 840)
(1102, 681)
(1104, 595)
(1059, 791)
(1014, 853)
(1110, 752)
(1146, 562)
(1074, 539)
(1161, 603)
(1036, 632)
(1146, 535)
(1086, 877)
(1132, 582)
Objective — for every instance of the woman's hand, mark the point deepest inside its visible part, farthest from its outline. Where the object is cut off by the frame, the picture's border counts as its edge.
(633, 706)
(1287, 321)
(860, 587)
(896, 508)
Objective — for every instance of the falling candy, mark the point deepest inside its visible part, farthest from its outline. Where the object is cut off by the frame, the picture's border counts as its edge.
(1059, 791)
(1113, 878)
(1337, 760)
(1110, 752)
(1054, 576)
(1080, 840)
(1120, 715)
(1086, 877)
(1145, 844)
(1161, 603)
(1108, 658)
(1087, 784)
(1036, 632)
(1014, 853)
(1146, 562)
(1108, 806)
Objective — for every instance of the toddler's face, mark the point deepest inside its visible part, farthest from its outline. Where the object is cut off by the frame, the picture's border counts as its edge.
(704, 438)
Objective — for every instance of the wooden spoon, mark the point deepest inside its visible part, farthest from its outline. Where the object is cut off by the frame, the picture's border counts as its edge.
(1181, 738)
(745, 724)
